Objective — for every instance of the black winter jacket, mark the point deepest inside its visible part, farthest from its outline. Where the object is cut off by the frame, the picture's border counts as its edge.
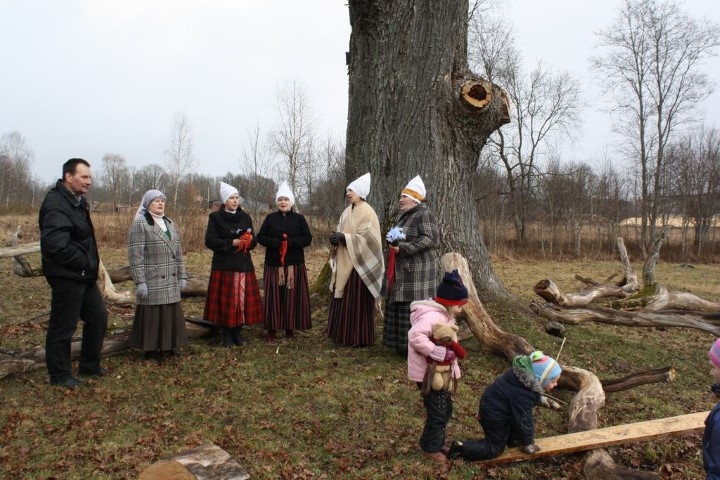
(223, 227)
(508, 404)
(67, 237)
(298, 237)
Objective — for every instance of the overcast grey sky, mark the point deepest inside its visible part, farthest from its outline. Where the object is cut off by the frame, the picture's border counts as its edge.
(89, 77)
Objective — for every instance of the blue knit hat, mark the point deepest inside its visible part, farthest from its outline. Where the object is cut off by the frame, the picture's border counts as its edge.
(544, 368)
(451, 290)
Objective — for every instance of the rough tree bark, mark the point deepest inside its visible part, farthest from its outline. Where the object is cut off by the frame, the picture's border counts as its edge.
(416, 108)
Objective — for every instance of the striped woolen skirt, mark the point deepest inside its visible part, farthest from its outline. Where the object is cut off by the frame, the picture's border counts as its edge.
(396, 325)
(351, 319)
(233, 299)
(158, 327)
(287, 308)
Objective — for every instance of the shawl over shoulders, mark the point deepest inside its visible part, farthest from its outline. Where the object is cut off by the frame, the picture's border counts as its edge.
(361, 252)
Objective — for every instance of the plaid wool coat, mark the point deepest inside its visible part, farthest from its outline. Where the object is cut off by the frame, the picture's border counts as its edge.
(416, 264)
(156, 260)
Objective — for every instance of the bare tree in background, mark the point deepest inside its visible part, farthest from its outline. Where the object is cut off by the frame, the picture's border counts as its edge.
(116, 177)
(15, 160)
(545, 107)
(179, 153)
(694, 166)
(150, 177)
(651, 65)
(326, 198)
(293, 138)
(256, 165)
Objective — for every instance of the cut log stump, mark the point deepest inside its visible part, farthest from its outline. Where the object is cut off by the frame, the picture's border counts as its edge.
(210, 462)
(606, 437)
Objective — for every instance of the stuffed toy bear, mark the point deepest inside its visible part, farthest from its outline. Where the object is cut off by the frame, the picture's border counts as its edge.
(446, 335)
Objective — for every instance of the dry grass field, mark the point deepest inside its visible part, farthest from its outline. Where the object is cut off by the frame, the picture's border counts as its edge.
(306, 409)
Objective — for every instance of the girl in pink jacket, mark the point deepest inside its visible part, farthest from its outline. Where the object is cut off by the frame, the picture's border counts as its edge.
(423, 350)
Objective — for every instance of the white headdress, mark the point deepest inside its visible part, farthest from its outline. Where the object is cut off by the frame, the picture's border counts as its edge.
(415, 189)
(284, 191)
(361, 186)
(226, 191)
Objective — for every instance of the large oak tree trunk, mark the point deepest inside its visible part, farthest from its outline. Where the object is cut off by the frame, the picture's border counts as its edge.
(415, 108)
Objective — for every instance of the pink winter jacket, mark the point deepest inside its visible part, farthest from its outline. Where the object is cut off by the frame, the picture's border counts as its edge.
(423, 315)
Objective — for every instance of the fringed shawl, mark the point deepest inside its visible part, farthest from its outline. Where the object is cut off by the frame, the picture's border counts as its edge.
(362, 251)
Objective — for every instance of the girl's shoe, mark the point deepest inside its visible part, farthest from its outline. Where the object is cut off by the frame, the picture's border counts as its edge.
(436, 457)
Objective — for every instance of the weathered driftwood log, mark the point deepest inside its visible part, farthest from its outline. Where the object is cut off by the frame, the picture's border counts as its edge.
(110, 293)
(575, 316)
(664, 299)
(628, 285)
(599, 465)
(24, 249)
(590, 396)
(35, 357)
(196, 286)
(550, 292)
(660, 375)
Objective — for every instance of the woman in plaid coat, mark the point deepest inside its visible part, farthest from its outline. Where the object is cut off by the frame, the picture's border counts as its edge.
(411, 267)
(157, 267)
(233, 298)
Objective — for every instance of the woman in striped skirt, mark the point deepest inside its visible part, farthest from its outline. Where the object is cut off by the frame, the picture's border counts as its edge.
(357, 270)
(285, 234)
(233, 298)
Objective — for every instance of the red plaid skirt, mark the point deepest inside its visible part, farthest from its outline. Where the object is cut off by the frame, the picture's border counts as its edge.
(233, 299)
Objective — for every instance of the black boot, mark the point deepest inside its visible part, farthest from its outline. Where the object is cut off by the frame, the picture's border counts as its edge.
(237, 336)
(227, 337)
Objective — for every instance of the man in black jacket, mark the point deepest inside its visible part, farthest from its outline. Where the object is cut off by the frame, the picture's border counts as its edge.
(70, 263)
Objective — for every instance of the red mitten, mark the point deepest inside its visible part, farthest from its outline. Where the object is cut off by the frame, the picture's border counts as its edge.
(459, 350)
(245, 241)
(283, 249)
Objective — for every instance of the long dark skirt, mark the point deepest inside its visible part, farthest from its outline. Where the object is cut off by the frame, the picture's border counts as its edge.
(351, 319)
(233, 299)
(287, 308)
(158, 327)
(396, 326)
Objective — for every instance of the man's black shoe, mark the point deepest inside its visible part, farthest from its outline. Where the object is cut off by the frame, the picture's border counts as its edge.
(70, 383)
(100, 372)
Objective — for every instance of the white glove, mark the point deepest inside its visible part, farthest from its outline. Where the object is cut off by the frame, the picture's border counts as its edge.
(141, 291)
(183, 283)
(552, 404)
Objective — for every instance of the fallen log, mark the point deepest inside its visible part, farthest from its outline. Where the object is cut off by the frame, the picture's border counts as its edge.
(34, 358)
(628, 285)
(196, 286)
(575, 316)
(24, 249)
(607, 437)
(661, 375)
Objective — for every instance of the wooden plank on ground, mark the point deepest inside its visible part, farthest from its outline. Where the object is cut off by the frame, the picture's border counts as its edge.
(606, 437)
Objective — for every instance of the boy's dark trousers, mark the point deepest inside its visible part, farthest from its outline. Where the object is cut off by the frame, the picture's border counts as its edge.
(438, 405)
(497, 435)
